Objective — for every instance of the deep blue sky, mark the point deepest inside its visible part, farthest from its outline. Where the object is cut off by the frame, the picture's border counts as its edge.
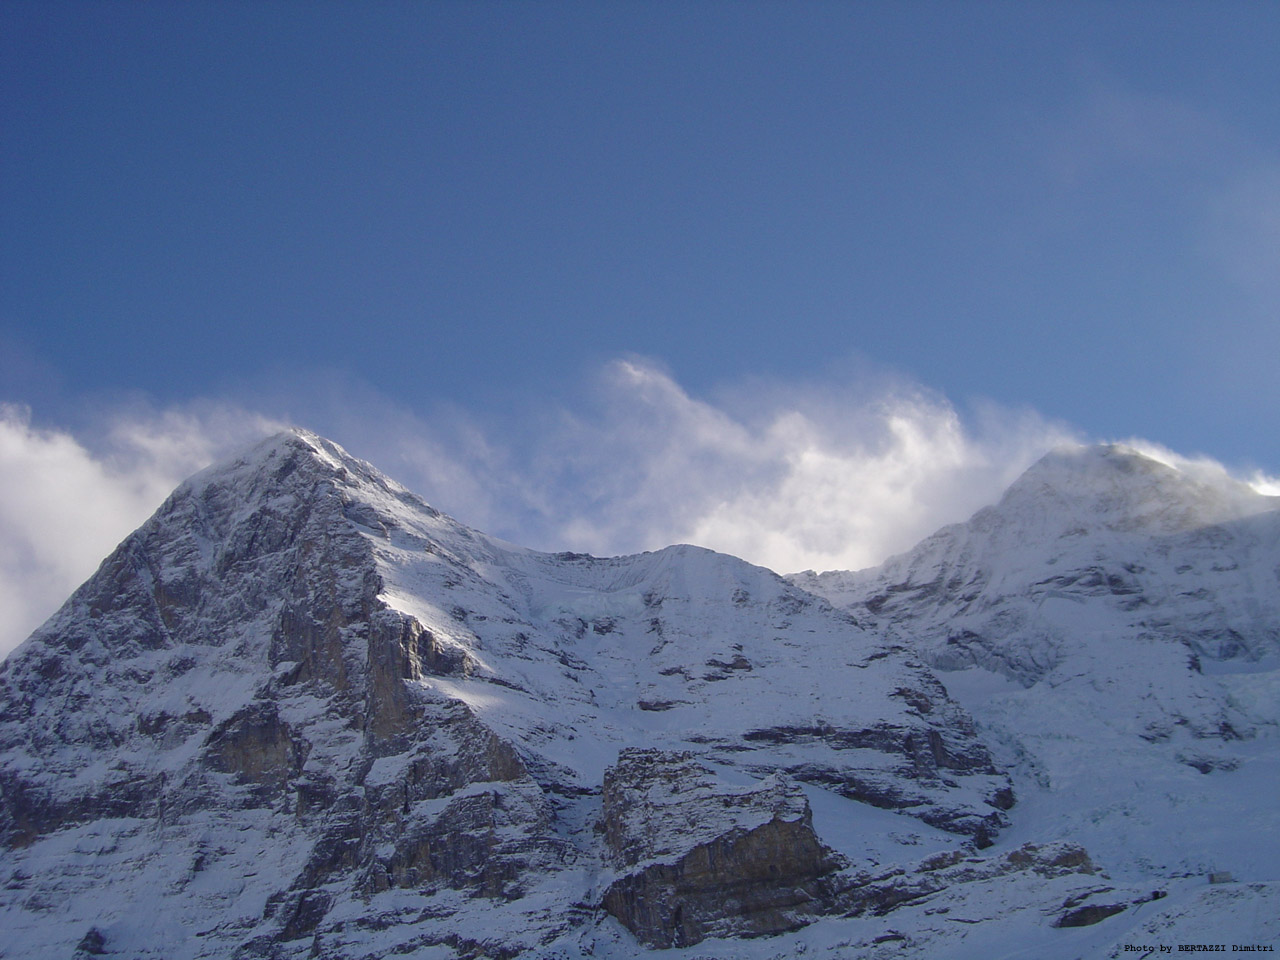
(1069, 206)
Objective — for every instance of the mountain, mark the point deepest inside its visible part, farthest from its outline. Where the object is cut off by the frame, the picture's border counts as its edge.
(1113, 625)
(300, 712)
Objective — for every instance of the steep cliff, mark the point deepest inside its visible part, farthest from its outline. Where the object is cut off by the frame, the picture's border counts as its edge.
(697, 857)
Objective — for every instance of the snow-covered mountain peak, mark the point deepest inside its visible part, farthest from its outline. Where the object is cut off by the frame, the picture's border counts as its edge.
(268, 457)
(268, 468)
(1116, 486)
(1112, 613)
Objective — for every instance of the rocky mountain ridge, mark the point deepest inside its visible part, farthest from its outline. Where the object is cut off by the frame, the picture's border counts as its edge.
(302, 713)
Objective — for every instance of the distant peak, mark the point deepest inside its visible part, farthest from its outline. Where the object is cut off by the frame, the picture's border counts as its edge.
(1134, 459)
(1084, 455)
(1069, 466)
(1124, 481)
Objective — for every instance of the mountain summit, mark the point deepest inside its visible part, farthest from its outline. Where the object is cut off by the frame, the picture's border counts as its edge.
(300, 712)
(1114, 623)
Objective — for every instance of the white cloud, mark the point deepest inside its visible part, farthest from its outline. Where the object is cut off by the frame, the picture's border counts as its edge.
(1265, 484)
(1205, 469)
(64, 506)
(785, 476)
(808, 478)
(1201, 468)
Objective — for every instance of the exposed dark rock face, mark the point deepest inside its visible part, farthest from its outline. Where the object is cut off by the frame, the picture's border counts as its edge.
(881, 894)
(1079, 913)
(256, 746)
(249, 606)
(699, 858)
(936, 744)
(92, 944)
(1087, 916)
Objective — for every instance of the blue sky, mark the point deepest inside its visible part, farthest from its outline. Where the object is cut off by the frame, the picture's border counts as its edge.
(589, 274)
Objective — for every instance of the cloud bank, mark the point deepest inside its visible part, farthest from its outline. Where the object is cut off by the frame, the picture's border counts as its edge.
(790, 478)
(815, 477)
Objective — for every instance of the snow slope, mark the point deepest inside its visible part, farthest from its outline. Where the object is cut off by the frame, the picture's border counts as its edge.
(1113, 624)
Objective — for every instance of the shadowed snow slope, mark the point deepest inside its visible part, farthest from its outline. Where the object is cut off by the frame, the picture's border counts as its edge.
(301, 713)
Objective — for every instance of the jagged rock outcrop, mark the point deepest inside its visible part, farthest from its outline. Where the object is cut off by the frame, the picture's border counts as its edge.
(925, 756)
(880, 894)
(699, 858)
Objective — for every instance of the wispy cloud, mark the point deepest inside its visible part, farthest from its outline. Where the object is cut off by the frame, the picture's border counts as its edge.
(1112, 127)
(1192, 194)
(1244, 230)
(1205, 469)
(799, 477)
(64, 506)
(1265, 484)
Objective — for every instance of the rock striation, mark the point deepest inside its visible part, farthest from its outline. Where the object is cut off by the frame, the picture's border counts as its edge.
(232, 667)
